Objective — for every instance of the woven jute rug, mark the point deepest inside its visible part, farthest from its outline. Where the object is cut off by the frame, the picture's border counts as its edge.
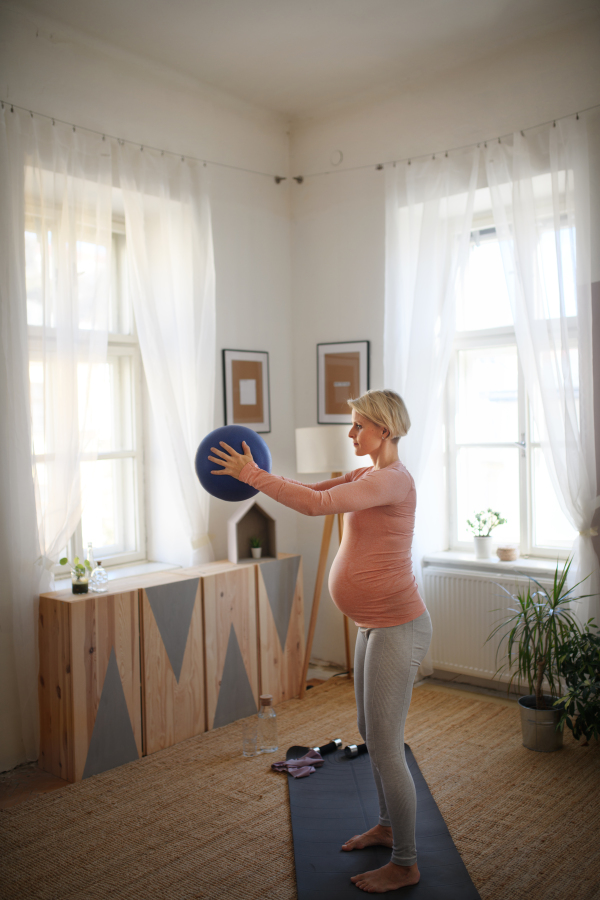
(200, 821)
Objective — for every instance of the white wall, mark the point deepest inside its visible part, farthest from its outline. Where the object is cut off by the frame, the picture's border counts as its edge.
(338, 218)
(51, 70)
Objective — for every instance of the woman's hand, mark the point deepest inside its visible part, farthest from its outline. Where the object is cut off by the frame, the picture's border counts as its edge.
(232, 461)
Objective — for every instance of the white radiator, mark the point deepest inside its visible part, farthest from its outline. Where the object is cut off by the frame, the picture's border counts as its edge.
(464, 607)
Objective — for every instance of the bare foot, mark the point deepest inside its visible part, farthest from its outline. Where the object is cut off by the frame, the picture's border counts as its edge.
(379, 834)
(388, 878)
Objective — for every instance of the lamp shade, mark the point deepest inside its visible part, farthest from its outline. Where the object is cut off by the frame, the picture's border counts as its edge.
(326, 448)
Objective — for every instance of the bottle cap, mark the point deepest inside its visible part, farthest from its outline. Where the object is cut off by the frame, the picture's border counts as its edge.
(266, 699)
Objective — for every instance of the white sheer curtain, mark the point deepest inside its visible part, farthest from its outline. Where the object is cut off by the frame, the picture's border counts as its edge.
(539, 186)
(56, 186)
(429, 212)
(172, 282)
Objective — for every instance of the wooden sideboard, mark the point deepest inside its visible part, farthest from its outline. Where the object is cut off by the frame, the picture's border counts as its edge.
(164, 657)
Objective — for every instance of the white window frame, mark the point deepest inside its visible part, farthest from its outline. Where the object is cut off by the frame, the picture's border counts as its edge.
(119, 344)
(489, 338)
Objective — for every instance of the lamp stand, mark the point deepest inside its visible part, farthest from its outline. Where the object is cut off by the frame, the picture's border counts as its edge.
(326, 541)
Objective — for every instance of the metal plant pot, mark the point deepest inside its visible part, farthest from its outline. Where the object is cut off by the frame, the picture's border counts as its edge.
(539, 725)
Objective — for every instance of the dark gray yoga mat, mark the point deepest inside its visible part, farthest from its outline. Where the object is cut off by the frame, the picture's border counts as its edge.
(338, 801)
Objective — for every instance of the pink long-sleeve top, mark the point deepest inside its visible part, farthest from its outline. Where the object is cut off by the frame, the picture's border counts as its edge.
(371, 579)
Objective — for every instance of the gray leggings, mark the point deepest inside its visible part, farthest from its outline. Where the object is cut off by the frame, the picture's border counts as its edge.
(385, 664)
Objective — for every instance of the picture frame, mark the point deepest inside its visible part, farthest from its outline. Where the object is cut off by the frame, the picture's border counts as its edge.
(246, 390)
(342, 373)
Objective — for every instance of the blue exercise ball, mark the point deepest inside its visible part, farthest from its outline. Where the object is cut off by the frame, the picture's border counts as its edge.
(224, 486)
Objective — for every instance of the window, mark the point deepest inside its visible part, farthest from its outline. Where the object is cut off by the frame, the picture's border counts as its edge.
(494, 455)
(111, 486)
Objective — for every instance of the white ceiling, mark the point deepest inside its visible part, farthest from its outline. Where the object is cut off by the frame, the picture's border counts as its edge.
(305, 57)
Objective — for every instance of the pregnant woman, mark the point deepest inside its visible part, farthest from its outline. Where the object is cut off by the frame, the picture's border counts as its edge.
(372, 582)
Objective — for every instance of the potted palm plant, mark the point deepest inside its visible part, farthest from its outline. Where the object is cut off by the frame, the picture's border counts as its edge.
(482, 527)
(533, 634)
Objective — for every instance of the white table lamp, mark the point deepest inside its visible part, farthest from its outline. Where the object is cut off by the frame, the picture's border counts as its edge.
(326, 448)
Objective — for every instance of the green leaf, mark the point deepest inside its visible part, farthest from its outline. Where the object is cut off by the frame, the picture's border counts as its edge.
(63, 561)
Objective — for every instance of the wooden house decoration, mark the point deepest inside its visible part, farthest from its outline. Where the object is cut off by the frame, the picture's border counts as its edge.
(248, 521)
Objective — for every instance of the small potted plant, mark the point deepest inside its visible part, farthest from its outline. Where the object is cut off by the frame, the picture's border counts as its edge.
(256, 547)
(482, 527)
(535, 631)
(79, 574)
(579, 667)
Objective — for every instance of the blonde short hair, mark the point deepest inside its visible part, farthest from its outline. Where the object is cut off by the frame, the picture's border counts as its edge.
(385, 408)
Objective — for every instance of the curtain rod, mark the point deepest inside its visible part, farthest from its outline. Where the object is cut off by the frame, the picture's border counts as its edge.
(408, 159)
(300, 178)
(277, 178)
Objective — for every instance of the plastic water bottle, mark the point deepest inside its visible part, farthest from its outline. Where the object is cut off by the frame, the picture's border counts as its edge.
(267, 725)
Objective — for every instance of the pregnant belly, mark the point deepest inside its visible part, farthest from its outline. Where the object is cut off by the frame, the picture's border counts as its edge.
(358, 583)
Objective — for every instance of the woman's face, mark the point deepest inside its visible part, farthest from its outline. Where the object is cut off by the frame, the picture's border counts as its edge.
(366, 436)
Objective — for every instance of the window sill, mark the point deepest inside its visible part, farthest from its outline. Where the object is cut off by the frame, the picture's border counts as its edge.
(453, 559)
(127, 571)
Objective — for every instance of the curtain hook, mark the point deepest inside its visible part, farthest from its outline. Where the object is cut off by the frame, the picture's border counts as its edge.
(446, 154)
(378, 167)
(577, 117)
(103, 137)
(142, 147)
(12, 109)
(409, 162)
(183, 159)
(554, 124)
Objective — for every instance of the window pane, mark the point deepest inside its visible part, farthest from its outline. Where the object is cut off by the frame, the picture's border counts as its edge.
(487, 395)
(120, 314)
(114, 416)
(551, 528)
(488, 477)
(482, 298)
(36, 399)
(33, 279)
(556, 261)
(108, 521)
(92, 269)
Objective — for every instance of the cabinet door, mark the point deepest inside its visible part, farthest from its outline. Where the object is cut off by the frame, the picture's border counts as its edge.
(281, 620)
(55, 688)
(105, 674)
(172, 662)
(231, 646)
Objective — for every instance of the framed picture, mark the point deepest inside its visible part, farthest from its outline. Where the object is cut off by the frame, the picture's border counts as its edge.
(246, 389)
(342, 373)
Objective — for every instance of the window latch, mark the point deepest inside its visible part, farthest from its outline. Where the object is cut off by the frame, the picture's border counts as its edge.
(522, 443)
